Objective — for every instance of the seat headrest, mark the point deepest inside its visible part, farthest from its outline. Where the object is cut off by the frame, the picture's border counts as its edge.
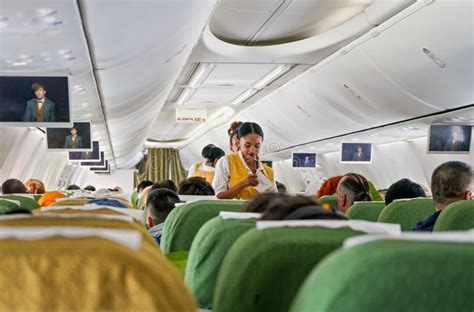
(69, 216)
(134, 213)
(226, 215)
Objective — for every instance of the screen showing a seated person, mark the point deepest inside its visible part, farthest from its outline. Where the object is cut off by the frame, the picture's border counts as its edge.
(105, 168)
(100, 163)
(75, 138)
(356, 152)
(81, 156)
(34, 101)
(450, 139)
(304, 160)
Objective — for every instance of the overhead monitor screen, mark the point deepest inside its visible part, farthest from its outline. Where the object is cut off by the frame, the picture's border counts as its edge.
(35, 101)
(356, 152)
(449, 139)
(81, 156)
(76, 138)
(100, 163)
(105, 168)
(304, 160)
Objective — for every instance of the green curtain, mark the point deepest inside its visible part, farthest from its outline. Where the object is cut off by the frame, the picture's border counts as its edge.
(161, 164)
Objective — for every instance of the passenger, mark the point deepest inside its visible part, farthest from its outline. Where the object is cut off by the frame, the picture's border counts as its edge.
(166, 184)
(160, 202)
(233, 139)
(143, 197)
(90, 188)
(142, 185)
(140, 188)
(73, 187)
(237, 175)
(298, 208)
(329, 186)
(196, 186)
(351, 188)
(13, 186)
(206, 170)
(403, 188)
(450, 182)
(281, 188)
(261, 202)
(49, 198)
(35, 186)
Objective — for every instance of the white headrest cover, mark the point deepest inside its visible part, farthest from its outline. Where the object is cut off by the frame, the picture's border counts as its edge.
(225, 215)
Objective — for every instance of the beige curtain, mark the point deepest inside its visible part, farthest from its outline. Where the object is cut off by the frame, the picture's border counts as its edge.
(161, 164)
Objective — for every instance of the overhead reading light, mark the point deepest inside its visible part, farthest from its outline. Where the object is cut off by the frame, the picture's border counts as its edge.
(434, 58)
(197, 78)
(244, 96)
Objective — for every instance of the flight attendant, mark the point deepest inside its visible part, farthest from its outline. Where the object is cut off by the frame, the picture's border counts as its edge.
(232, 132)
(242, 175)
(206, 169)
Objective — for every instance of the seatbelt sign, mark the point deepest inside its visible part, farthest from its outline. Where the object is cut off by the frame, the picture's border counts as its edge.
(184, 115)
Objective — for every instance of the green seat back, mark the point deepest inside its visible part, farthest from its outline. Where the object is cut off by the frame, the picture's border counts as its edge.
(331, 200)
(374, 194)
(133, 199)
(184, 222)
(368, 211)
(458, 216)
(7, 206)
(208, 250)
(25, 202)
(407, 213)
(264, 268)
(392, 275)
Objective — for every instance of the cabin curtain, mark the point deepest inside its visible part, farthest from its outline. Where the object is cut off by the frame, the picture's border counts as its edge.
(161, 164)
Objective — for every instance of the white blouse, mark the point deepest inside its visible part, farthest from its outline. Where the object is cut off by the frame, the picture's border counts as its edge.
(203, 167)
(222, 177)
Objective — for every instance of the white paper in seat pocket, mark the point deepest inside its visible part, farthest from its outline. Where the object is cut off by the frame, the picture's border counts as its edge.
(263, 182)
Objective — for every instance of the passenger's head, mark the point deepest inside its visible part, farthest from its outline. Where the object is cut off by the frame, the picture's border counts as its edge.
(261, 202)
(351, 188)
(142, 185)
(89, 188)
(250, 137)
(212, 154)
(298, 208)
(160, 202)
(73, 187)
(403, 188)
(281, 188)
(50, 198)
(35, 186)
(166, 184)
(329, 186)
(450, 182)
(39, 89)
(233, 139)
(195, 186)
(13, 186)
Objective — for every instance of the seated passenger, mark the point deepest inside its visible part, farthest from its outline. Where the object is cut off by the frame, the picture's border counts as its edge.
(73, 187)
(450, 182)
(298, 208)
(13, 186)
(403, 188)
(195, 186)
(329, 186)
(206, 169)
(351, 188)
(242, 175)
(49, 198)
(35, 186)
(280, 187)
(90, 188)
(167, 184)
(261, 202)
(143, 185)
(160, 202)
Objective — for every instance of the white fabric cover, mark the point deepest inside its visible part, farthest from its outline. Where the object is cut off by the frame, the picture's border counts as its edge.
(128, 238)
(193, 198)
(226, 215)
(134, 213)
(356, 225)
(69, 216)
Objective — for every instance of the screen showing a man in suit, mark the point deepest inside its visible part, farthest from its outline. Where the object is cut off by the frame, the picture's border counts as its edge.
(81, 156)
(356, 152)
(76, 138)
(304, 160)
(450, 139)
(34, 101)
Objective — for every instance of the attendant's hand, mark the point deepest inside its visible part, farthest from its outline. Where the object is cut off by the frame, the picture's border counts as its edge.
(251, 180)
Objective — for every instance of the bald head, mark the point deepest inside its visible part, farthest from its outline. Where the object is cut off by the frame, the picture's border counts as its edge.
(450, 182)
(13, 186)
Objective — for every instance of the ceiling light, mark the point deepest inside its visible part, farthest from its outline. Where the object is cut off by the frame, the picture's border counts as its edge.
(409, 128)
(244, 96)
(183, 96)
(85, 105)
(274, 74)
(434, 58)
(19, 63)
(200, 74)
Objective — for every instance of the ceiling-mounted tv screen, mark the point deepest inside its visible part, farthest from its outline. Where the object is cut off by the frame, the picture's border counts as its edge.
(356, 152)
(35, 101)
(93, 155)
(450, 139)
(100, 163)
(304, 160)
(76, 138)
(105, 168)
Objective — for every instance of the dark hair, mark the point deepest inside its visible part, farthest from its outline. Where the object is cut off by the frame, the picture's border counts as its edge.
(279, 208)
(195, 186)
(143, 185)
(450, 180)
(356, 187)
(73, 187)
(13, 186)
(211, 153)
(249, 127)
(261, 202)
(403, 188)
(160, 202)
(280, 187)
(206, 150)
(165, 184)
(90, 188)
(233, 129)
(314, 212)
(35, 86)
